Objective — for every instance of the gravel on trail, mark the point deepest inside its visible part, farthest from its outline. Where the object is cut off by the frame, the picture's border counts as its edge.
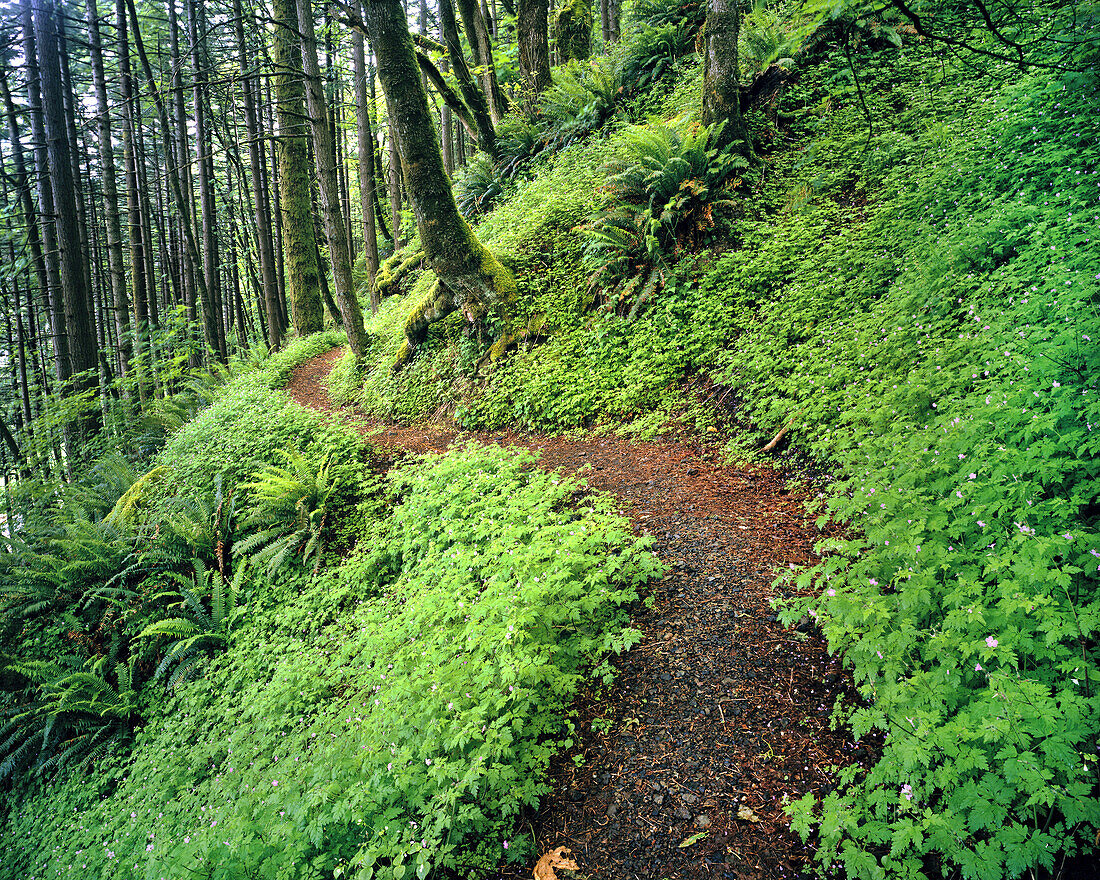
(681, 767)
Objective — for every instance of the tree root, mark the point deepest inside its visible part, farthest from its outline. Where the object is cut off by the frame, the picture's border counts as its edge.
(393, 270)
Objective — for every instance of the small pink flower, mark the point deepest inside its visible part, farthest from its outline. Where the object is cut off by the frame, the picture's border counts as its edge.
(991, 642)
(977, 667)
(907, 791)
(830, 592)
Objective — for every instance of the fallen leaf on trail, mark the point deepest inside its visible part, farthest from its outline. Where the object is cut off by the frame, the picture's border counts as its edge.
(695, 838)
(556, 858)
(747, 814)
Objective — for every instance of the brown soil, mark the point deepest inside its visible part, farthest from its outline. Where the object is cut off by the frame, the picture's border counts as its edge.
(681, 767)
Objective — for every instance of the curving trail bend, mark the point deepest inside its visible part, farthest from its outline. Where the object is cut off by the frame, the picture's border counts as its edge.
(720, 715)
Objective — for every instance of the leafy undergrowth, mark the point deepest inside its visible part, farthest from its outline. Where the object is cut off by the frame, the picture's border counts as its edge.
(917, 305)
(389, 717)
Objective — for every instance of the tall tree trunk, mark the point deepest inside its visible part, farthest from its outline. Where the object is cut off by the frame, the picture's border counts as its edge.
(120, 300)
(395, 183)
(366, 163)
(30, 214)
(532, 33)
(75, 152)
(468, 276)
(328, 187)
(272, 199)
(477, 34)
(721, 87)
(182, 153)
(212, 319)
(82, 342)
(475, 98)
(299, 243)
(191, 246)
(446, 132)
(59, 333)
(263, 216)
(139, 299)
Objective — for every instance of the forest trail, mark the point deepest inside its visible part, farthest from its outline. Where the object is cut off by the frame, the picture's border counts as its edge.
(719, 715)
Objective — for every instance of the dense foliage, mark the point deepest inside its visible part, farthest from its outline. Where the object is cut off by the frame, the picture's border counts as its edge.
(910, 289)
(391, 715)
(282, 664)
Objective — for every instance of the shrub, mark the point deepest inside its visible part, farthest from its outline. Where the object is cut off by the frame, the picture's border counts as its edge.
(580, 102)
(660, 198)
(392, 718)
(479, 185)
(244, 430)
(652, 52)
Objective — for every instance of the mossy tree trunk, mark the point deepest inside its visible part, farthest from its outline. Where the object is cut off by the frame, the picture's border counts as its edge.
(573, 31)
(721, 85)
(328, 186)
(474, 97)
(299, 243)
(469, 277)
(366, 162)
(532, 33)
(481, 43)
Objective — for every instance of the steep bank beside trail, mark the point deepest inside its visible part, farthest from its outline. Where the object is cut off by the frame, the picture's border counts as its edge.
(682, 766)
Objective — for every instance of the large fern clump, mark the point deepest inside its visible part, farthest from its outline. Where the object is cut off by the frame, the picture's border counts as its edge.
(660, 200)
(65, 719)
(202, 609)
(290, 506)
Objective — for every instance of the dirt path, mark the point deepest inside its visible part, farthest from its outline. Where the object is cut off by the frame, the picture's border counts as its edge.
(720, 715)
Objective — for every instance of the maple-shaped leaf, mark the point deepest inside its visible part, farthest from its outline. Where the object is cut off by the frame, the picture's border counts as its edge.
(556, 858)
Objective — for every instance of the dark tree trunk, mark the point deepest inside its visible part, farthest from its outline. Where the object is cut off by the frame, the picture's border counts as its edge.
(328, 187)
(263, 216)
(30, 215)
(130, 121)
(395, 185)
(212, 318)
(73, 274)
(477, 34)
(120, 300)
(59, 334)
(474, 97)
(532, 33)
(468, 276)
(191, 246)
(721, 89)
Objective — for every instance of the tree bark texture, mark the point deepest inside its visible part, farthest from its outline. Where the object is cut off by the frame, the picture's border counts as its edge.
(299, 245)
(481, 43)
(533, 36)
(328, 186)
(260, 206)
(73, 275)
(366, 163)
(474, 96)
(721, 87)
(469, 277)
(573, 31)
(120, 300)
(59, 333)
